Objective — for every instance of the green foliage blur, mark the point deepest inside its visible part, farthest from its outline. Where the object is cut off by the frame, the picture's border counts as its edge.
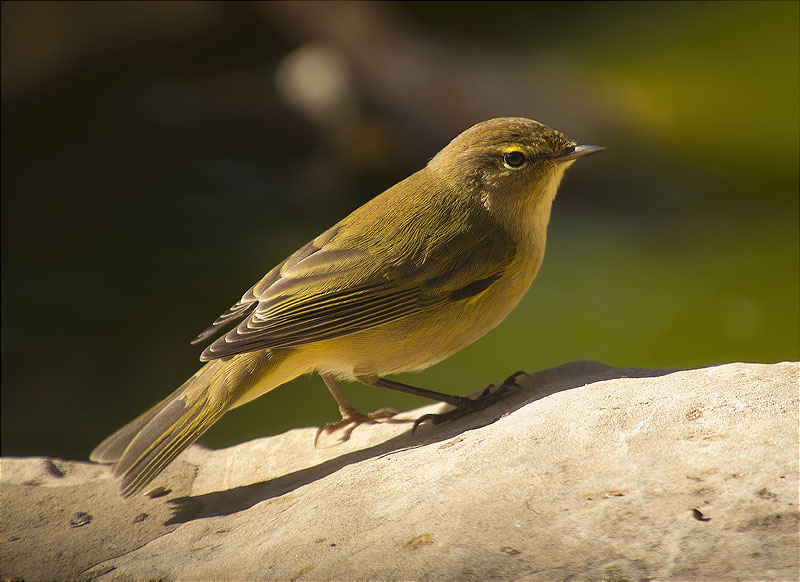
(159, 158)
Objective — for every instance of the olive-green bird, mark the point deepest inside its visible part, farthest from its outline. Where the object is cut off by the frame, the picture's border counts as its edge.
(410, 278)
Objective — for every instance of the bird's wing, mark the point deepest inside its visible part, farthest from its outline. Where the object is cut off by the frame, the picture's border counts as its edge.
(250, 299)
(330, 289)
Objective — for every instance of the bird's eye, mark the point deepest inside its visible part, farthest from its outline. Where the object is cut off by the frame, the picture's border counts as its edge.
(514, 159)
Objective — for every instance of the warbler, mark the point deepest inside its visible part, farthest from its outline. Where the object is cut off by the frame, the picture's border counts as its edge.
(409, 278)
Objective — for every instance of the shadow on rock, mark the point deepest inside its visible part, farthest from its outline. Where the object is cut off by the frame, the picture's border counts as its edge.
(531, 388)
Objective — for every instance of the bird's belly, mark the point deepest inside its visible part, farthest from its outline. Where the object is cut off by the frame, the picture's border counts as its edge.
(419, 340)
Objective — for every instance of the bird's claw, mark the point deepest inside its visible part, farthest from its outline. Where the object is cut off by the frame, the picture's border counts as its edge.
(489, 396)
(349, 423)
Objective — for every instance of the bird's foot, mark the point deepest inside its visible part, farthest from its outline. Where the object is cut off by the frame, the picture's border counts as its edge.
(489, 396)
(350, 420)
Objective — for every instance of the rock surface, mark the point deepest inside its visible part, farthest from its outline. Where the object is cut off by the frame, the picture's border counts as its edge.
(585, 472)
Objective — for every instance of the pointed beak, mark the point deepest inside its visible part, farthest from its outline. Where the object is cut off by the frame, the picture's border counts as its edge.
(580, 151)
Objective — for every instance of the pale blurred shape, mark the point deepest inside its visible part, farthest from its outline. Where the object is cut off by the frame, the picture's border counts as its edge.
(315, 80)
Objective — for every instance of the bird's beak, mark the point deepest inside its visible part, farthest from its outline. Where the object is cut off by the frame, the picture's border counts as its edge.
(580, 151)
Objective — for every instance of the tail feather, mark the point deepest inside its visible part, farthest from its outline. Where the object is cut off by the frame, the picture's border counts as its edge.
(156, 446)
(144, 447)
(114, 446)
(111, 449)
(158, 431)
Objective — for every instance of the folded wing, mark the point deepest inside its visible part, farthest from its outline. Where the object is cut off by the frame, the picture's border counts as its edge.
(329, 289)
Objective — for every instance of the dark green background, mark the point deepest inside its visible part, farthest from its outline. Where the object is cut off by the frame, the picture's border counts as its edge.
(152, 171)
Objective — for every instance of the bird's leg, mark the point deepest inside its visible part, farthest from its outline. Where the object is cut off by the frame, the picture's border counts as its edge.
(463, 405)
(351, 418)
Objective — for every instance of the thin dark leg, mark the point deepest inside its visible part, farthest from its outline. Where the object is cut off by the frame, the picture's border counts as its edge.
(458, 401)
(463, 405)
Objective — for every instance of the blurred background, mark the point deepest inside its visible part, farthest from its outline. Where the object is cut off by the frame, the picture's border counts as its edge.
(159, 158)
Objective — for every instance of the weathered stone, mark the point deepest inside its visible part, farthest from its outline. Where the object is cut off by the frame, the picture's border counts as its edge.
(585, 472)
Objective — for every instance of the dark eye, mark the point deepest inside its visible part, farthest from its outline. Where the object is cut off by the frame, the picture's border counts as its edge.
(514, 159)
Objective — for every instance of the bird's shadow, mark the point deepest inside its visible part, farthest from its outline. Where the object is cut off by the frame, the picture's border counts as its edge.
(531, 388)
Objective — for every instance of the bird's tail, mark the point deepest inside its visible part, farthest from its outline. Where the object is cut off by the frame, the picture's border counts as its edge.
(144, 447)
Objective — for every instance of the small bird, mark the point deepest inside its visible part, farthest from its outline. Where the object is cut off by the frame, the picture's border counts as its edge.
(409, 278)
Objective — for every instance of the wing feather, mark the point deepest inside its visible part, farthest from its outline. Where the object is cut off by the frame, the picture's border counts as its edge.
(343, 282)
(250, 299)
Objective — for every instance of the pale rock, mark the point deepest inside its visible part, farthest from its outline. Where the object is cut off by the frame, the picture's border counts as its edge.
(583, 472)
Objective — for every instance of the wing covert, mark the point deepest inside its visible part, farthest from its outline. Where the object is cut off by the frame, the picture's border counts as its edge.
(336, 292)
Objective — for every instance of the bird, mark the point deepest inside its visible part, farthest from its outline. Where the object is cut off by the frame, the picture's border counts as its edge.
(411, 277)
